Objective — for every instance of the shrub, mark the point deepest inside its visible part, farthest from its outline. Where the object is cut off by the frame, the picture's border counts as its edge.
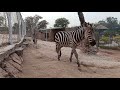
(106, 34)
(111, 48)
(105, 39)
(117, 40)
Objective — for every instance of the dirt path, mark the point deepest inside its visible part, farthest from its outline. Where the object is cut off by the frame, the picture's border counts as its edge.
(43, 63)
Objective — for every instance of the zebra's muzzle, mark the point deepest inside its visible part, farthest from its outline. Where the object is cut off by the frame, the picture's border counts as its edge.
(93, 43)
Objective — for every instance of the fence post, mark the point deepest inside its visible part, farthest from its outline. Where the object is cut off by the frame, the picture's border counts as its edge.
(10, 27)
(46, 34)
(19, 22)
(24, 27)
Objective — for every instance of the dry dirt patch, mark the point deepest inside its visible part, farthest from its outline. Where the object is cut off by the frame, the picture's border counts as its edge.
(42, 63)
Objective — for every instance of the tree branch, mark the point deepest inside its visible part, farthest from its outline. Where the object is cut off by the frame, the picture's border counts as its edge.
(81, 18)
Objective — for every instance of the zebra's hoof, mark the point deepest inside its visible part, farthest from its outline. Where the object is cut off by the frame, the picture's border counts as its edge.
(79, 69)
(70, 60)
(78, 64)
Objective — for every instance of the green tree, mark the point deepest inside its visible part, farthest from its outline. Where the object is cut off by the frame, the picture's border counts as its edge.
(43, 24)
(61, 22)
(32, 21)
(112, 22)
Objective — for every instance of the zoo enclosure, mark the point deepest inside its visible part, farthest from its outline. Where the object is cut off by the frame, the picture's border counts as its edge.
(107, 38)
(12, 28)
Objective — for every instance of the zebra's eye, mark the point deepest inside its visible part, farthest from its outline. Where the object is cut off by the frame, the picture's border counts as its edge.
(90, 32)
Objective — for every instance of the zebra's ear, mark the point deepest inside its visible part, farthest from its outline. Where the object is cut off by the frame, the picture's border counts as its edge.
(85, 24)
(91, 25)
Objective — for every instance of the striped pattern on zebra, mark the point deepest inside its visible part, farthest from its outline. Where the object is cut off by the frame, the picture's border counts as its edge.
(73, 38)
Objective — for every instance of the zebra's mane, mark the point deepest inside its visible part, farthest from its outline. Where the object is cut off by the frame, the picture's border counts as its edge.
(79, 28)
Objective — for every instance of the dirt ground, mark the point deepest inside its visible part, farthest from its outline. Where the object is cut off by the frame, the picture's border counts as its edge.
(42, 63)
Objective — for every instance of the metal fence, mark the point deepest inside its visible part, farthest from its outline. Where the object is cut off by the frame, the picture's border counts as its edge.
(108, 41)
(12, 28)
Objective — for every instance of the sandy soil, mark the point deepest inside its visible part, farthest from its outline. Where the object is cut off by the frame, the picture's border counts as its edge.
(42, 63)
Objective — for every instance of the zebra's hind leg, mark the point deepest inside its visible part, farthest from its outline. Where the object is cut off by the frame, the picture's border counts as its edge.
(59, 55)
(58, 50)
(76, 55)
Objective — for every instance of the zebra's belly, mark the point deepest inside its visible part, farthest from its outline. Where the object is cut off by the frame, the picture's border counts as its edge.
(66, 44)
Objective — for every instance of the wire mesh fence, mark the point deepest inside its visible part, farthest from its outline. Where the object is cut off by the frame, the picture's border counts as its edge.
(12, 28)
(108, 40)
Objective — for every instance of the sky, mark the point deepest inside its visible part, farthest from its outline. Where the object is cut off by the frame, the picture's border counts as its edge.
(91, 17)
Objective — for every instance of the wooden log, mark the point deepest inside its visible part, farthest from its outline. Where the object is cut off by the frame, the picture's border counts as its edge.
(16, 65)
(19, 51)
(3, 73)
(16, 58)
(5, 52)
(10, 69)
(26, 44)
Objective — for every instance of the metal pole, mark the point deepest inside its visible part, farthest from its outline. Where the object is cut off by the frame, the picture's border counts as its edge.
(19, 22)
(5, 19)
(24, 27)
(46, 34)
(10, 27)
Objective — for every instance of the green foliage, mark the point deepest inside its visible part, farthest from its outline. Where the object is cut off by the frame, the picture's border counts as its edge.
(29, 23)
(117, 39)
(61, 22)
(110, 48)
(112, 22)
(42, 24)
(105, 39)
(34, 22)
(106, 34)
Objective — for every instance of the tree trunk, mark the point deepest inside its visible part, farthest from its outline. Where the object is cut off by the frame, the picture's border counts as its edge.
(81, 18)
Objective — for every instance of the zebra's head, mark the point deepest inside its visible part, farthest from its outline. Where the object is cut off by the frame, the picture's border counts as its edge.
(89, 33)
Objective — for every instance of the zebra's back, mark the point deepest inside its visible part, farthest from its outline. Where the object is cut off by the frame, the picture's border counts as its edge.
(63, 38)
(69, 38)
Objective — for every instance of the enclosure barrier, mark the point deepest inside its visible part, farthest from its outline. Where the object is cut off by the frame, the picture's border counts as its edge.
(12, 36)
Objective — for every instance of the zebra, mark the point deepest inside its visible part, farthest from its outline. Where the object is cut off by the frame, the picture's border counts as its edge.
(73, 39)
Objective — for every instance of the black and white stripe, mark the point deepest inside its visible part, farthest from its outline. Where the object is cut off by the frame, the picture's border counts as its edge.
(72, 39)
(69, 38)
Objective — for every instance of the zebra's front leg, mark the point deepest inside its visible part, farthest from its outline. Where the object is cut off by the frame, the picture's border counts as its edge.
(71, 55)
(59, 55)
(76, 55)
